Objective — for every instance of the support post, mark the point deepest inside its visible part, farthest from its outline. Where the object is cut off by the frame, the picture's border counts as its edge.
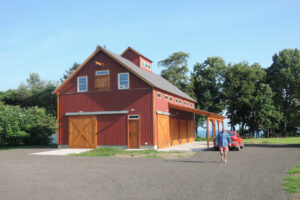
(214, 128)
(218, 121)
(223, 126)
(207, 131)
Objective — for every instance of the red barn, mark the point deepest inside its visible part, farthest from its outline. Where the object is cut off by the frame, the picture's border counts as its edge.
(113, 100)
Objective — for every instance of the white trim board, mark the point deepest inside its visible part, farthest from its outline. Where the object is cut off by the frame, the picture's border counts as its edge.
(97, 113)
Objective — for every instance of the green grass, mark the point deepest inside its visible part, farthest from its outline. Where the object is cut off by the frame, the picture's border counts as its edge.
(284, 140)
(199, 138)
(291, 183)
(105, 152)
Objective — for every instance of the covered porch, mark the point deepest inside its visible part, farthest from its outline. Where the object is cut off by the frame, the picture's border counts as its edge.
(210, 117)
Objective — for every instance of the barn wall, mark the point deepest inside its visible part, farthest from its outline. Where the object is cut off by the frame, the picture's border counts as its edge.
(132, 56)
(138, 97)
(162, 104)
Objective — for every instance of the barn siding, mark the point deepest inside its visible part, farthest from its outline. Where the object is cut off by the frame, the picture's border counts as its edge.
(132, 56)
(138, 97)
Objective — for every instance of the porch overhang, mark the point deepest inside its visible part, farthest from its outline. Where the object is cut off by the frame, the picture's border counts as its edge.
(210, 117)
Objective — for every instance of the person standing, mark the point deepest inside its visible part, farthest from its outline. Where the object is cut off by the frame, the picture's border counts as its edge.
(223, 140)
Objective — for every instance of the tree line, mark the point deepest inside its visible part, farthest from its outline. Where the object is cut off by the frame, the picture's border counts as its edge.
(253, 98)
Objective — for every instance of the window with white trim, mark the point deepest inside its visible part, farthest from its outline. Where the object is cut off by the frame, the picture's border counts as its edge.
(176, 100)
(123, 81)
(180, 101)
(171, 99)
(82, 84)
(102, 72)
(166, 97)
(159, 95)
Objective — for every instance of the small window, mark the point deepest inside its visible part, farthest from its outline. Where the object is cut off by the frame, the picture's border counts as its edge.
(180, 101)
(176, 100)
(82, 84)
(133, 116)
(184, 103)
(171, 98)
(143, 63)
(166, 97)
(102, 72)
(123, 81)
(159, 95)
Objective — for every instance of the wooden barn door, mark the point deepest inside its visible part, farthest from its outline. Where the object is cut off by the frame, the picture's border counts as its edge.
(163, 131)
(191, 135)
(82, 131)
(174, 131)
(133, 133)
(183, 131)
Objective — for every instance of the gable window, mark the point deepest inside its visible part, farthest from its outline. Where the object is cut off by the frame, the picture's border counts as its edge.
(159, 95)
(123, 81)
(102, 72)
(82, 84)
(166, 97)
(102, 80)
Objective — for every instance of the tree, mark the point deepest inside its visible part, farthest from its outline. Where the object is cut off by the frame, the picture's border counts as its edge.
(176, 69)
(207, 80)
(240, 84)
(284, 78)
(33, 82)
(69, 71)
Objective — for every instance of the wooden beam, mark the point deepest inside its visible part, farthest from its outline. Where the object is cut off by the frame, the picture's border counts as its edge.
(207, 131)
(57, 98)
(214, 128)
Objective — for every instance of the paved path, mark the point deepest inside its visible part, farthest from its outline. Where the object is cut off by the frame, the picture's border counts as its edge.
(252, 173)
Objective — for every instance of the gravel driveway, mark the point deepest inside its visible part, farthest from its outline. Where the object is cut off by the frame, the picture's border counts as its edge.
(253, 173)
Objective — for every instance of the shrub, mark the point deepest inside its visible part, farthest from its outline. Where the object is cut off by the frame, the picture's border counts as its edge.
(20, 126)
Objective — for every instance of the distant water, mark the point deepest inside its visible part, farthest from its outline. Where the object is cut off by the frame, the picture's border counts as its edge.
(202, 132)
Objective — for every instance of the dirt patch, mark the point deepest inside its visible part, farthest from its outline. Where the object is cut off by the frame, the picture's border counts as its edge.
(296, 196)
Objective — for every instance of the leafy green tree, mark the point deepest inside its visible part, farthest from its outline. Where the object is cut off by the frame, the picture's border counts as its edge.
(207, 80)
(241, 81)
(33, 82)
(176, 69)
(284, 78)
(69, 71)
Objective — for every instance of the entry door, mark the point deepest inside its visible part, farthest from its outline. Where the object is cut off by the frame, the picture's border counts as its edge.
(163, 131)
(133, 133)
(82, 131)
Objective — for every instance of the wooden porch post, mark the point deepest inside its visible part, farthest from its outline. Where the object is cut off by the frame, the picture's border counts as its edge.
(218, 126)
(207, 131)
(214, 128)
(223, 126)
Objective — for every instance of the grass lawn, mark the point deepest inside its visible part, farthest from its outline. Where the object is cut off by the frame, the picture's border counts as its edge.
(291, 183)
(284, 140)
(138, 154)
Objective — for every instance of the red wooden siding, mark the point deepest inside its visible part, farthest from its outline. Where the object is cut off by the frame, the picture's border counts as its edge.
(132, 56)
(162, 104)
(90, 69)
(138, 97)
(112, 129)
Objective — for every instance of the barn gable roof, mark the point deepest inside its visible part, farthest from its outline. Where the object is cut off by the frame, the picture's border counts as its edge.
(152, 79)
(135, 51)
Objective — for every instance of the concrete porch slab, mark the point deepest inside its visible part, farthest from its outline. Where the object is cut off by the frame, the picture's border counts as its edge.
(61, 152)
(193, 147)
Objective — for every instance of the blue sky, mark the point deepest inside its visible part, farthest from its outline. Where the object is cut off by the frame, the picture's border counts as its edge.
(47, 37)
